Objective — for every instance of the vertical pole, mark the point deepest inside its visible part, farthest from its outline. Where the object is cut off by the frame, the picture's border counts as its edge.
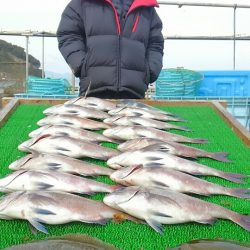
(234, 52)
(43, 74)
(27, 62)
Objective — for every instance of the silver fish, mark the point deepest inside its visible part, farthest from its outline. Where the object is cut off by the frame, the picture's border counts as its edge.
(32, 180)
(172, 148)
(40, 161)
(67, 146)
(146, 122)
(136, 104)
(76, 110)
(165, 206)
(161, 159)
(55, 208)
(175, 180)
(137, 131)
(93, 102)
(66, 242)
(77, 133)
(124, 111)
(74, 122)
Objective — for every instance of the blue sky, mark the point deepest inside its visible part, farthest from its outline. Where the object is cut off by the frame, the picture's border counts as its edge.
(44, 15)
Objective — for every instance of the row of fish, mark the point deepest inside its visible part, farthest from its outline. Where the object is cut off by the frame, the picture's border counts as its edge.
(151, 168)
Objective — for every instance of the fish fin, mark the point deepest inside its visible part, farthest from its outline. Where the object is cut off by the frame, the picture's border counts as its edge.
(43, 211)
(100, 222)
(160, 184)
(72, 111)
(240, 192)
(220, 156)
(157, 226)
(152, 158)
(242, 220)
(137, 114)
(67, 123)
(63, 149)
(153, 164)
(43, 185)
(54, 166)
(210, 221)
(38, 226)
(157, 147)
(199, 140)
(233, 177)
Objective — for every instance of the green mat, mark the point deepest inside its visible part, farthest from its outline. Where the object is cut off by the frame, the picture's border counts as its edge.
(204, 122)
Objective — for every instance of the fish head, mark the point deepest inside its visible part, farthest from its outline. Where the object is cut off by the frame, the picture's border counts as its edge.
(120, 196)
(121, 175)
(18, 164)
(45, 121)
(39, 131)
(52, 110)
(9, 201)
(27, 144)
(117, 161)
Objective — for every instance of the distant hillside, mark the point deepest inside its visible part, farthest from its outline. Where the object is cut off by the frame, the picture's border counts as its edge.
(12, 62)
(13, 53)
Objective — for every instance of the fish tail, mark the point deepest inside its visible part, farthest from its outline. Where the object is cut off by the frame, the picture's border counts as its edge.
(198, 140)
(240, 192)
(220, 156)
(237, 178)
(184, 128)
(241, 220)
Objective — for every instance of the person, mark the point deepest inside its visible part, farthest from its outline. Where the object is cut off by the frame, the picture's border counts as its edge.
(115, 47)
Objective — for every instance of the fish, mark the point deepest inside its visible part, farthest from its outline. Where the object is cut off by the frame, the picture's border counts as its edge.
(137, 131)
(141, 105)
(216, 244)
(146, 122)
(75, 110)
(168, 178)
(69, 242)
(67, 146)
(124, 111)
(40, 161)
(172, 148)
(93, 102)
(74, 122)
(77, 133)
(165, 206)
(161, 159)
(35, 180)
(56, 208)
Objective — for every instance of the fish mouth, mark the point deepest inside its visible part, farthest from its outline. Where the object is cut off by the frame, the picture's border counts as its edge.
(25, 145)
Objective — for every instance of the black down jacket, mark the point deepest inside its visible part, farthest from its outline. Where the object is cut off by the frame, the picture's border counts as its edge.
(116, 55)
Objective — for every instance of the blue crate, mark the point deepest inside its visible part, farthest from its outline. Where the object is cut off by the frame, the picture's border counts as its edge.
(225, 83)
(177, 82)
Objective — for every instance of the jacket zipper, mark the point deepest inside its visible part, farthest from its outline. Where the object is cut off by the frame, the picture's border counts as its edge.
(119, 44)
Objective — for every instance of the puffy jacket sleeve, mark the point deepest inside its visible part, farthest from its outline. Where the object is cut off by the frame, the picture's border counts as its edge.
(155, 47)
(71, 37)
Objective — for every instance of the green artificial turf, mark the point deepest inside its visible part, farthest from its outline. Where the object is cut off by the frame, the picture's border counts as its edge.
(204, 122)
